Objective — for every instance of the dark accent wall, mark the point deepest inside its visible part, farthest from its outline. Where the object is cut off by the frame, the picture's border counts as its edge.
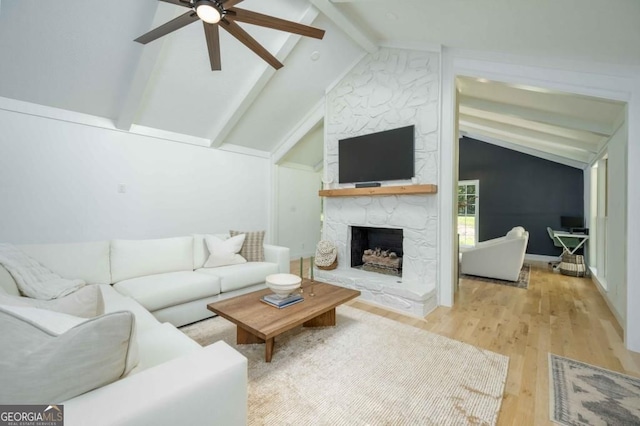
(518, 189)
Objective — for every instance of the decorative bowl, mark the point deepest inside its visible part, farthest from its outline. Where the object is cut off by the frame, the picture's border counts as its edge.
(283, 284)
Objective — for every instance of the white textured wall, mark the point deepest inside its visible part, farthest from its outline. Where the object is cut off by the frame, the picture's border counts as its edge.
(299, 209)
(389, 89)
(59, 183)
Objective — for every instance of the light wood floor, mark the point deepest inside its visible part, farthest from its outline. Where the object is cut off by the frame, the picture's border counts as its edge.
(563, 315)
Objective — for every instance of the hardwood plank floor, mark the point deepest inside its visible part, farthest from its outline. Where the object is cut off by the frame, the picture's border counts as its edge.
(563, 315)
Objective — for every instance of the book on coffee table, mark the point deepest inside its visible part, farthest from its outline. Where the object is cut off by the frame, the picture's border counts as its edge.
(273, 300)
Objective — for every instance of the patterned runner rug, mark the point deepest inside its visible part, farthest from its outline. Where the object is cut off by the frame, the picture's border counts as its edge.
(583, 394)
(368, 370)
(523, 278)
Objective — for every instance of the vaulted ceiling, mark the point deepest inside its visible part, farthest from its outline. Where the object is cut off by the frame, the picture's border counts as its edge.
(563, 127)
(80, 56)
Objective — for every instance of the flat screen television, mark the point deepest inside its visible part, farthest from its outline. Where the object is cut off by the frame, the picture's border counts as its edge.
(387, 155)
(571, 222)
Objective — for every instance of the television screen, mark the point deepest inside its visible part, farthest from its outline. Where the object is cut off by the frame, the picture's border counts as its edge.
(571, 222)
(387, 155)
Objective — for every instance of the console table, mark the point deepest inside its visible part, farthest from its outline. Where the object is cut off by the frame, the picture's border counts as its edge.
(560, 235)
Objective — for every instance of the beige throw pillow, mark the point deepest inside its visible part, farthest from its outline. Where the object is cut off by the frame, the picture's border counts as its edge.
(86, 302)
(253, 247)
(48, 357)
(224, 252)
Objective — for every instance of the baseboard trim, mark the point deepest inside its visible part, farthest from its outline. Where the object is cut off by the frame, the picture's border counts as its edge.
(541, 258)
(601, 285)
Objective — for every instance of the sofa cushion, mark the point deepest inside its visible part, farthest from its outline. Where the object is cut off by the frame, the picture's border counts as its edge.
(253, 247)
(224, 252)
(86, 302)
(114, 302)
(161, 344)
(86, 261)
(139, 258)
(48, 356)
(234, 277)
(159, 291)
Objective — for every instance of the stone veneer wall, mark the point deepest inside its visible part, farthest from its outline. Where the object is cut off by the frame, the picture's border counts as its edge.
(389, 89)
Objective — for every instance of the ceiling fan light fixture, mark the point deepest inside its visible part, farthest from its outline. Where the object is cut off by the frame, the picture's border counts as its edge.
(208, 11)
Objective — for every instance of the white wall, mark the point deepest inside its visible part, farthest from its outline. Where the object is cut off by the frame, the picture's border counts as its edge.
(298, 210)
(616, 249)
(59, 182)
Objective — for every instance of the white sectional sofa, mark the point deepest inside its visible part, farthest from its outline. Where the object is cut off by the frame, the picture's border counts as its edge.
(166, 276)
(163, 283)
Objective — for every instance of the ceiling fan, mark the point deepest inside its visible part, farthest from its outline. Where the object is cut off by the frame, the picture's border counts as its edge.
(222, 13)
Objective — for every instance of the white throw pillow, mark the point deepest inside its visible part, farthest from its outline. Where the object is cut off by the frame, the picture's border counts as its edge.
(515, 233)
(86, 302)
(224, 252)
(49, 357)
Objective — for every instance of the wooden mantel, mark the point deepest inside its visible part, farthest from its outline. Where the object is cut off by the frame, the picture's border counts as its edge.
(380, 190)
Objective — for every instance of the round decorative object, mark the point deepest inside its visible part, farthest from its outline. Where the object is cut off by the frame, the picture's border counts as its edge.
(326, 254)
(283, 284)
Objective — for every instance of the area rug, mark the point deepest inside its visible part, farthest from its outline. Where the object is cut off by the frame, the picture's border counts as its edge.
(583, 394)
(367, 370)
(523, 278)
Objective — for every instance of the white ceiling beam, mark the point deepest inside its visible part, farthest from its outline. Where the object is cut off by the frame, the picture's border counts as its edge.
(167, 135)
(297, 166)
(523, 133)
(357, 34)
(525, 149)
(146, 64)
(244, 101)
(300, 130)
(540, 145)
(537, 115)
(588, 137)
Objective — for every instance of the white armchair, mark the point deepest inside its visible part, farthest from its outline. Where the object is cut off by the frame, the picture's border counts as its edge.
(500, 258)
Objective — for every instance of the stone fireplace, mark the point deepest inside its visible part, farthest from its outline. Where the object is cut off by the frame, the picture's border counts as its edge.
(388, 89)
(377, 250)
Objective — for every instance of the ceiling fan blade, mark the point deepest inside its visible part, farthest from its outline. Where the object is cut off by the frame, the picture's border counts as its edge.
(235, 30)
(256, 18)
(230, 3)
(170, 26)
(184, 3)
(212, 34)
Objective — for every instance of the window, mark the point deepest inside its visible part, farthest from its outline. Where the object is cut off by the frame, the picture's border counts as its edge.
(468, 197)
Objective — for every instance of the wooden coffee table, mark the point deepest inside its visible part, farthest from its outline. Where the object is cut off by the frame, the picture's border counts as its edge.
(258, 322)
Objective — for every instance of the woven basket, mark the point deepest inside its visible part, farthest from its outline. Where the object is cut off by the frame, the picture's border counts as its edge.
(334, 265)
(573, 265)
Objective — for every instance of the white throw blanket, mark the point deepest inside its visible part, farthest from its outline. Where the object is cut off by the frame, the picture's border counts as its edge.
(33, 279)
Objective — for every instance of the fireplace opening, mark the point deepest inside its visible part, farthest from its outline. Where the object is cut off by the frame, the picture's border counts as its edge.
(377, 250)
